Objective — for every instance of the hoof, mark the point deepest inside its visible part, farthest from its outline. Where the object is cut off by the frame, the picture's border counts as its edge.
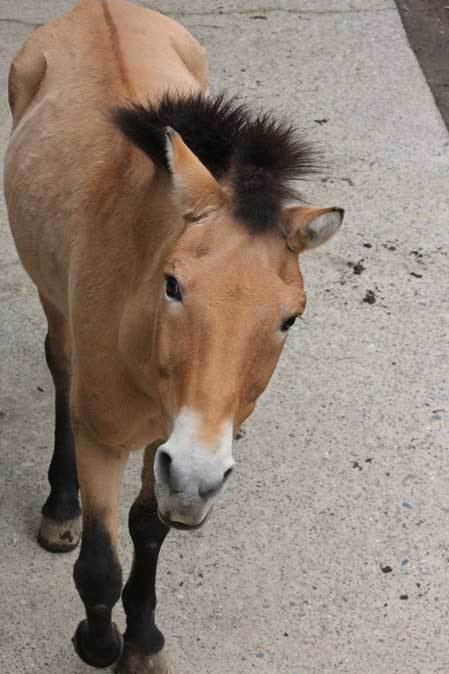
(136, 662)
(99, 656)
(57, 536)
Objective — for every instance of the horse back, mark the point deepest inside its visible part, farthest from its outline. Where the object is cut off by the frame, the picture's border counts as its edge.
(107, 49)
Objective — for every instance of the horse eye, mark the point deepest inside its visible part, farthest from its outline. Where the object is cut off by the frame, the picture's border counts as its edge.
(285, 325)
(172, 290)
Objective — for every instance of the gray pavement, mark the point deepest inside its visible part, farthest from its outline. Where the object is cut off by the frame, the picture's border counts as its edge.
(330, 551)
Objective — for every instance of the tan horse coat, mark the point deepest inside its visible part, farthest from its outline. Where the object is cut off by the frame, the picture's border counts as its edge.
(60, 88)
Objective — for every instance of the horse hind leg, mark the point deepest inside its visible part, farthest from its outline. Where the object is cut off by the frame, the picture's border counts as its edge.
(61, 514)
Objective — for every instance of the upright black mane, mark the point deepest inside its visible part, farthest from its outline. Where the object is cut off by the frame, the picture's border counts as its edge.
(259, 154)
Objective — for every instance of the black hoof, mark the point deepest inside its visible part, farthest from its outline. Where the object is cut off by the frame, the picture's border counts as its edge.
(97, 655)
(56, 536)
(134, 661)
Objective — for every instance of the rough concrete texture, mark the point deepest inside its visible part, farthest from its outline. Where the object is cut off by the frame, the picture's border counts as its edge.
(329, 553)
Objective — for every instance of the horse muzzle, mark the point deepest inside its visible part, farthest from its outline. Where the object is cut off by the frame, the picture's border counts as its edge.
(188, 484)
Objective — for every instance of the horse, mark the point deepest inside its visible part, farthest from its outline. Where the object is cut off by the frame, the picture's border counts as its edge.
(162, 228)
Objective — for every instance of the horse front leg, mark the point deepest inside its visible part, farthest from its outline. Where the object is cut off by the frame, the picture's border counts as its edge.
(144, 643)
(61, 515)
(97, 572)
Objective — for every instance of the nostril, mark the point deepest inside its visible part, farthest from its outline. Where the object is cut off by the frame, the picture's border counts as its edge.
(227, 475)
(165, 461)
(207, 492)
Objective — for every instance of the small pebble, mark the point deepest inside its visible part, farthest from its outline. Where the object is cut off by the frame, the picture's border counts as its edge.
(370, 297)
(358, 268)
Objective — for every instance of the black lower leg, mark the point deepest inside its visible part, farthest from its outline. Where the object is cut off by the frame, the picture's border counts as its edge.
(139, 594)
(61, 521)
(63, 502)
(98, 579)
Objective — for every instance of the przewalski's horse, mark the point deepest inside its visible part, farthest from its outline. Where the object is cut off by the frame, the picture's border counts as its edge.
(158, 226)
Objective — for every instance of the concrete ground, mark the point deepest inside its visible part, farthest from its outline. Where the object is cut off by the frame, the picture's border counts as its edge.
(330, 551)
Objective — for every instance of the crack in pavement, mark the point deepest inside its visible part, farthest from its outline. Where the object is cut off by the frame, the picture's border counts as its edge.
(285, 10)
(243, 12)
(22, 22)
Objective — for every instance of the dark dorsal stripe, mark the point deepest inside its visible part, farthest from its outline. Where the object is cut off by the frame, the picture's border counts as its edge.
(259, 154)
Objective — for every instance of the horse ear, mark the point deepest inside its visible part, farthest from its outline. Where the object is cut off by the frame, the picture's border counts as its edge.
(306, 227)
(196, 190)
